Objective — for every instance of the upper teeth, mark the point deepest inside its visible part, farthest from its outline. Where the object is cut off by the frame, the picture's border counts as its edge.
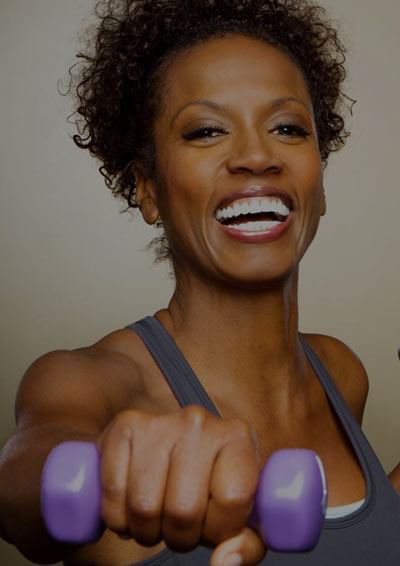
(252, 206)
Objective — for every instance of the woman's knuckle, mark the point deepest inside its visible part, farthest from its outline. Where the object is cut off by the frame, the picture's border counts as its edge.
(241, 431)
(112, 492)
(181, 515)
(144, 510)
(124, 432)
(121, 428)
(235, 499)
(194, 415)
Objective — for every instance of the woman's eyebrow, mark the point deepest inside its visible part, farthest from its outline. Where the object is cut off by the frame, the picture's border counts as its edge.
(276, 103)
(283, 99)
(199, 102)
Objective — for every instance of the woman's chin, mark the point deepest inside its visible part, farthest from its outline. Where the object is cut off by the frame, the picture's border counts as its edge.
(263, 278)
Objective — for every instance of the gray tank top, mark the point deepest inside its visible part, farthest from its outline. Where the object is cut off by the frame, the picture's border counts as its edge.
(368, 537)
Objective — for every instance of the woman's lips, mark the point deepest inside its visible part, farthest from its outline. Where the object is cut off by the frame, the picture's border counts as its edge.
(255, 214)
(252, 237)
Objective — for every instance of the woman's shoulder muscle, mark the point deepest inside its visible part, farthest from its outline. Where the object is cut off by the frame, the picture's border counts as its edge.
(345, 368)
(90, 384)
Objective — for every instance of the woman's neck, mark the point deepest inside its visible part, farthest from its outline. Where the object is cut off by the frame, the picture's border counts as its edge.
(238, 337)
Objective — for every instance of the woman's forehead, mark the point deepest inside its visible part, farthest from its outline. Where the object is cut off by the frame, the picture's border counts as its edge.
(231, 67)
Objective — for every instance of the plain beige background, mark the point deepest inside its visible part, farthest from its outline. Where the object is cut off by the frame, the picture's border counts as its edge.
(74, 269)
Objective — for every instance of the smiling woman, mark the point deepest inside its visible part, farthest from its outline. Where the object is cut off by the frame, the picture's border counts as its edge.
(266, 151)
(215, 118)
(118, 87)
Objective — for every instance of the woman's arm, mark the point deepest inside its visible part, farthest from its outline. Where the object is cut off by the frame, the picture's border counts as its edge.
(60, 398)
(346, 370)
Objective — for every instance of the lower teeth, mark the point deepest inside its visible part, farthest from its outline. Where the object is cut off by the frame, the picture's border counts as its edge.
(255, 226)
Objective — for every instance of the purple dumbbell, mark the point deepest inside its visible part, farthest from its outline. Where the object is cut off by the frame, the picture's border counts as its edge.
(289, 507)
(290, 503)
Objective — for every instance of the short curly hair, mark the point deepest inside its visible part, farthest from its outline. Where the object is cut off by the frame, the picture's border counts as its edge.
(118, 90)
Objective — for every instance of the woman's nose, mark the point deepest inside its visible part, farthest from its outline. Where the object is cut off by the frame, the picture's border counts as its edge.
(255, 154)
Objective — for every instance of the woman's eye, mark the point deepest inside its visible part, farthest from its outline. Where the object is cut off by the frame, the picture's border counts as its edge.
(207, 132)
(291, 130)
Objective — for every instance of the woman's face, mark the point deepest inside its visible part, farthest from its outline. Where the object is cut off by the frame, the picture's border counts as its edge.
(238, 164)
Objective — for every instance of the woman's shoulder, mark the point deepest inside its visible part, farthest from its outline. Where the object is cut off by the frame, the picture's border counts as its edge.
(134, 380)
(108, 376)
(345, 369)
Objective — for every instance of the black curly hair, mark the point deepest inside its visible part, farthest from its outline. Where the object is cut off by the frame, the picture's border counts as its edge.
(118, 83)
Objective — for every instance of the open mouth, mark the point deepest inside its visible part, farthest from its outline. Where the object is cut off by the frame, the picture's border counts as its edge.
(254, 214)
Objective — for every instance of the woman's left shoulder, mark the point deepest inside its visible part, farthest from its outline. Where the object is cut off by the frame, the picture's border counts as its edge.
(345, 369)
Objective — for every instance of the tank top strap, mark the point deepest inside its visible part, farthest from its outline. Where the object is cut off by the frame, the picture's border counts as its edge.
(182, 380)
(363, 450)
(330, 388)
(341, 409)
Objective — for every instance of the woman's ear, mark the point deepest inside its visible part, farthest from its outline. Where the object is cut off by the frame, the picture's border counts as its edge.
(146, 195)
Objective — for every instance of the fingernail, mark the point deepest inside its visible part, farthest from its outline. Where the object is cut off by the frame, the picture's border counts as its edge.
(233, 559)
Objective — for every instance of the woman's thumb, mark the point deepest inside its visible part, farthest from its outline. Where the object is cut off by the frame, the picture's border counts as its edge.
(247, 548)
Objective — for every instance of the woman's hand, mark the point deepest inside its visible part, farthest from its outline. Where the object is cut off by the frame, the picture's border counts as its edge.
(185, 478)
(246, 548)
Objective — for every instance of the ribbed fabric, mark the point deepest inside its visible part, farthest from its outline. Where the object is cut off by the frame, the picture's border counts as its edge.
(343, 510)
(181, 378)
(370, 536)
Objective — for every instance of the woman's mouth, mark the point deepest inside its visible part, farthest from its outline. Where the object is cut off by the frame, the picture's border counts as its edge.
(257, 218)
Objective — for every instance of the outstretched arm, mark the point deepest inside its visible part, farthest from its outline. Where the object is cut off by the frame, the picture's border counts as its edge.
(59, 399)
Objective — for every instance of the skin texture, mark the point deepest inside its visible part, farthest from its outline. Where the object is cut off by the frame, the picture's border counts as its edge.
(395, 478)
(171, 476)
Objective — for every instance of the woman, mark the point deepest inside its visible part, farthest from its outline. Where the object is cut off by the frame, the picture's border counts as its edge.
(215, 118)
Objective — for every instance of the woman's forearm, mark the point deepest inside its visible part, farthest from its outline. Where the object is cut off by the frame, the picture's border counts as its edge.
(21, 524)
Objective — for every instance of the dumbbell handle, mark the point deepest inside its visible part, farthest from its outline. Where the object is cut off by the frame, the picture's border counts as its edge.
(289, 506)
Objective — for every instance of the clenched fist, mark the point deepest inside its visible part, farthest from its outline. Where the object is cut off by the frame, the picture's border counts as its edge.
(185, 478)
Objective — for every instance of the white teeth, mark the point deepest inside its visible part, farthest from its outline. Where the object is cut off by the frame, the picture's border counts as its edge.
(253, 205)
(264, 226)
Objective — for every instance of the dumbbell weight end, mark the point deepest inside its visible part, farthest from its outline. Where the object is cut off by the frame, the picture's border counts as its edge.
(290, 502)
(71, 493)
